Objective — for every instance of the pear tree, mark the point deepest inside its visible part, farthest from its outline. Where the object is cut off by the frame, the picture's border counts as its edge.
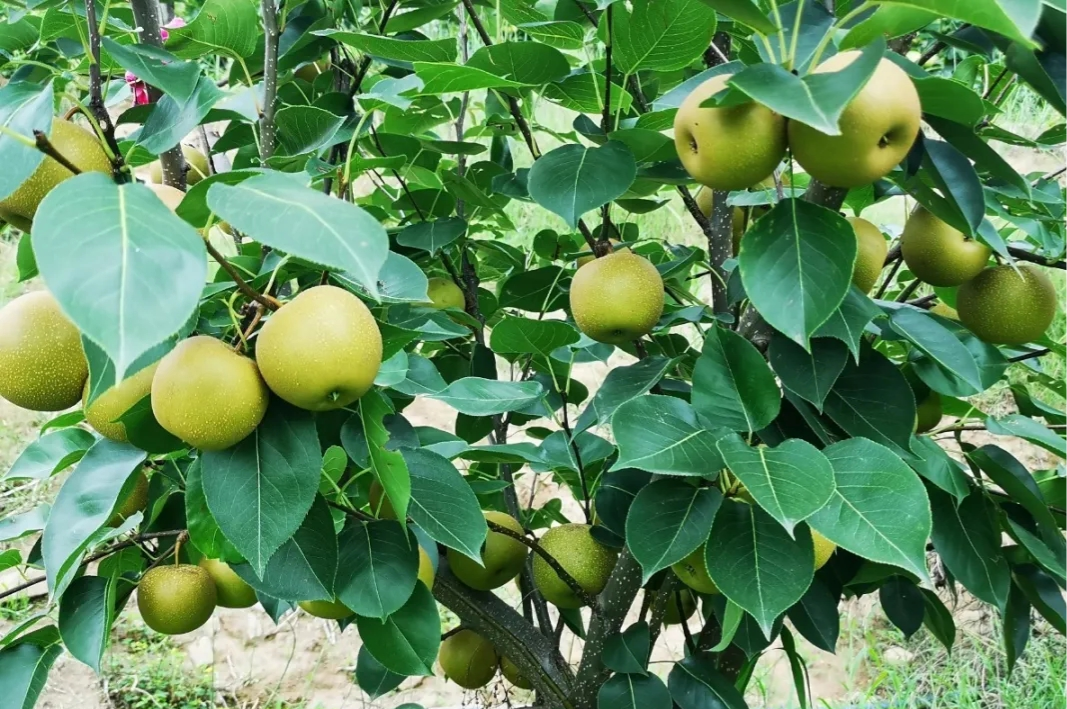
(258, 238)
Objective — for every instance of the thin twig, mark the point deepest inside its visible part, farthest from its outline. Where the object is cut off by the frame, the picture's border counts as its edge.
(1030, 355)
(242, 285)
(536, 548)
(96, 99)
(908, 290)
(1024, 255)
(46, 147)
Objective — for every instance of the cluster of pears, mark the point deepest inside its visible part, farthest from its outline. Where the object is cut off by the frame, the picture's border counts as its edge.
(471, 661)
(1003, 305)
(175, 599)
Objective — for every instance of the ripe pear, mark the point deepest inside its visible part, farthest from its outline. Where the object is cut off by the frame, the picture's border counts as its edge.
(938, 253)
(468, 659)
(928, 413)
(77, 145)
(170, 196)
(330, 610)
(945, 311)
(309, 72)
(176, 598)
(824, 549)
(513, 674)
(693, 572)
(503, 557)
(232, 591)
(380, 506)
(878, 128)
(676, 614)
(106, 410)
(1007, 307)
(581, 556)
(135, 500)
(199, 168)
(321, 351)
(426, 572)
(208, 395)
(444, 293)
(617, 298)
(42, 364)
(727, 148)
(870, 254)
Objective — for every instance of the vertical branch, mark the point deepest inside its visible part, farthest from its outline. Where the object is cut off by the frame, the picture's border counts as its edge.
(605, 121)
(720, 248)
(146, 14)
(268, 137)
(96, 98)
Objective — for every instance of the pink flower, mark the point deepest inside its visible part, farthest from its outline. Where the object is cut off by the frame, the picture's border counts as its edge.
(138, 87)
(173, 24)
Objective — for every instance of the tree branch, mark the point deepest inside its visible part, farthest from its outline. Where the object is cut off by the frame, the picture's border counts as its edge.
(96, 99)
(1030, 355)
(1025, 255)
(242, 285)
(268, 137)
(46, 147)
(536, 548)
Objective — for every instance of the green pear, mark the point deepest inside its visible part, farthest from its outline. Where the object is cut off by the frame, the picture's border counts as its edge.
(824, 549)
(426, 572)
(617, 298)
(938, 253)
(1007, 307)
(175, 599)
(170, 196)
(42, 365)
(232, 591)
(945, 310)
(106, 410)
(444, 293)
(199, 167)
(79, 146)
(728, 148)
(503, 557)
(513, 674)
(330, 610)
(677, 614)
(310, 72)
(877, 127)
(135, 500)
(928, 413)
(468, 659)
(871, 251)
(208, 395)
(321, 350)
(693, 572)
(583, 557)
(380, 506)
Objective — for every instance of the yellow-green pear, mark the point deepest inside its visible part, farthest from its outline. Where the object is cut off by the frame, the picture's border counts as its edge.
(877, 127)
(503, 557)
(329, 610)
(693, 572)
(743, 217)
(19, 222)
(106, 410)
(426, 572)
(208, 395)
(824, 549)
(583, 557)
(199, 168)
(468, 659)
(871, 251)
(1005, 306)
(727, 148)
(175, 599)
(231, 589)
(133, 502)
(928, 413)
(444, 293)
(170, 196)
(380, 506)
(309, 72)
(42, 364)
(945, 310)
(938, 253)
(677, 614)
(617, 298)
(589, 258)
(321, 350)
(513, 674)
(79, 146)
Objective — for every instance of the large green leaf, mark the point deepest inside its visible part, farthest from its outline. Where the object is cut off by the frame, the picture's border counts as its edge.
(938, 343)
(401, 50)
(226, 27)
(529, 63)
(661, 434)
(24, 108)
(432, 236)
(49, 454)
(696, 683)
(732, 385)
(1030, 430)
(17, 526)
(260, 490)
(879, 509)
(305, 129)
(1012, 18)
(24, 667)
(84, 504)
(755, 562)
(791, 482)
(85, 615)
(204, 532)
(407, 641)
(633, 691)
(443, 504)
(873, 399)
(377, 567)
(171, 119)
(809, 375)
(372, 677)
(747, 12)
(388, 465)
(796, 265)
(476, 396)
(967, 538)
(931, 461)
(280, 212)
(660, 34)
(667, 521)
(528, 336)
(155, 66)
(574, 179)
(847, 323)
(628, 650)
(447, 78)
(815, 616)
(621, 385)
(148, 265)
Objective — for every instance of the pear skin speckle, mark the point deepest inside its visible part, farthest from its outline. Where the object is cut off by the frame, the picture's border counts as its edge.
(175, 599)
(582, 556)
(1007, 307)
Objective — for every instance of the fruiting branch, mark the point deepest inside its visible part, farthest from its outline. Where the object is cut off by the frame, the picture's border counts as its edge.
(365, 62)
(242, 285)
(268, 138)
(46, 147)
(536, 548)
(1030, 355)
(96, 98)
(1021, 254)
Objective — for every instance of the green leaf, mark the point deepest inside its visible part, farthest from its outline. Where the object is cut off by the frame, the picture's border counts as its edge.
(443, 504)
(748, 13)
(933, 463)
(1030, 430)
(24, 667)
(1044, 595)
(573, 179)
(661, 35)
(816, 99)
(949, 99)
(277, 211)
(584, 92)
(732, 385)
(695, 683)
(448, 78)
(432, 236)
(621, 385)
(938, 343)
(204, 532)
(756, 564)
(815, 616)
(879, 509)
(967, 538)
(953, 174)
(527, 336)
(260, 490)
(476, 396)
(903, 604)
(873, 399)
(1049, 560)
(661, 434)
(372, 677)
(848, 322)
(1039, 70)
(148, 265)
(669, 519)
(539, 290)
(1013, 477)
(630, 691)
(24, 108)
(938, 619)
(887, 21)
(809, 375)
(400, 50)
(796, 265)
(155, 66)
(791, 482)
(528, 63)
(422, 377)
(1016, 625)
(986, 158)
(171, 119)
(407, 641)
(305, 129)
(10, 559)
(85, 617)
(226, 27)
(17, 526)
(1016, 19)
(628, 651)
(52, 452)
(378, 567)
(388, 465)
